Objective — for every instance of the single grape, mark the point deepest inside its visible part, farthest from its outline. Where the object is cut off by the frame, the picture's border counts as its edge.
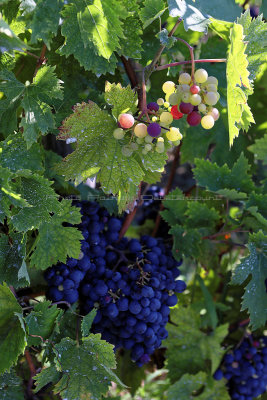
(210, 98)
(194, 118)
(126, 151)
(186, 108)
(176, 113)
(186, 97)
(174, 134)
(214, 112)
(185, 88)
(154, 118)
(168, 87)
(195, 99)
(148, 147)
(126, 121)
(118, 133)
(153, 129)
(140, 130)
(153, 106)
(194, 89)
(166, 104)
(212, 80)
(202, 108)
(211, 87)
(144, 151)
(184, 78)
(174, 98)
(148, 139)
(160, 140)
(140, 140)
(166, 118)
(201, 75)
(160, 149)
(207, 122)
(134, 146)
(160, 101)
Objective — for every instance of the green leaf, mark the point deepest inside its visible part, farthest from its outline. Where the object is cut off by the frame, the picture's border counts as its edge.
(94, 355)
(152, 10)
(45, 20)
(185, 242)
(238, 83)
(121, 99)
(215, 390)
(255, 31)
(41, 322)
(217, 179)
(56, 242)
(183, 389)
(255, 267)
(11, 386)
(15, 155)
(202, 349)
(129, 372)
(46, 376)
(9, 41)
(257, 206)
(12, 331)
(12, 254)
(196, 13)
(87, 322)
(209, 303)
(42, 201)
(259, 148)
(164, 39)
(176, 205)
(201, 215)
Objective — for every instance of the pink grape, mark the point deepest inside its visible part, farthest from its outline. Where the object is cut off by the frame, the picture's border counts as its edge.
(126, 121)
(186, 108)
(154, 129)
(194, 89)
(194, 118)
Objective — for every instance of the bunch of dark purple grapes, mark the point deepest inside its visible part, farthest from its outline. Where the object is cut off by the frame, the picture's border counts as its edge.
(245, 369)
(131, 282)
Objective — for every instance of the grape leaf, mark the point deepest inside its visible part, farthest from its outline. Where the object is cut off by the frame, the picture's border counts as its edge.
(183, 389)
(257, 206)
(217, 179)
(15, 155)
(9, 41)
(87, 322)
(122, 99)
(201, 215)
(12, 254)
(54, 241)
(152, 10)
(12, 331)
(11, 386)
(196, 13)
(238, 84)
(215, 390)
(94, 355)
(255, 31)
(255, 267)
(259, 148)
(41, 322)
(185, 241)
(46, 376)
(165, 39)
(42, 201)
(200, 346)
(45, 20)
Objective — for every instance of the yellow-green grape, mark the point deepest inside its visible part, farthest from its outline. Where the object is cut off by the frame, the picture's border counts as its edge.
(214, 112)
(160, 149)
(166, 118)
(154, 119)
(212, 80)
(218, 96)
(207, 122)
(140, 130)
(149, 139)
(201, 75)
(140, 140)
(185, 88)
(166, 104)
(211, 98)
(160, 101)
(168, 87)
(211, 87)
(184, 78)
(144, 152)
(118, 133)
(148, 147)
(202, 108)
(174, 99)
(176, 143)
(160, 140)
(186, 97)
(134, 146)
(126, 150)
(174, 134)
(195, 99)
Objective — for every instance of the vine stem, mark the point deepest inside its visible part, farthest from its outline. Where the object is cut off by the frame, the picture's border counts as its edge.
(129, 219)
(204, 60)
(40, 60)
(191, 55)
(32, 372)
(223, 233)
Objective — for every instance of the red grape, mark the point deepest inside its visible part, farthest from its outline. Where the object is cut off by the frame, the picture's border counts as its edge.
(176, 113)
(186, 108)
(195, 89)
(194, 118)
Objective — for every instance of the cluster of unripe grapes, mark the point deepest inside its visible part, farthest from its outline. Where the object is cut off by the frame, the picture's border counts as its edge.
(196, 98)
